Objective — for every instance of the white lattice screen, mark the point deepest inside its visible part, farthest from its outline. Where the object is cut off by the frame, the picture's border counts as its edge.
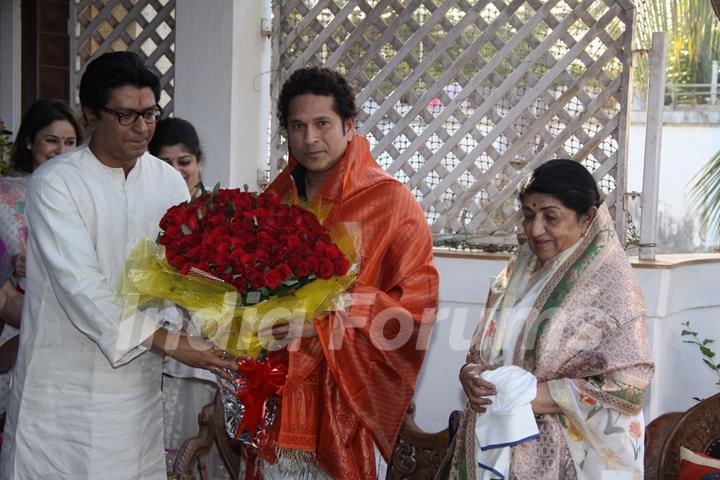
(146, 27)
(461, 98)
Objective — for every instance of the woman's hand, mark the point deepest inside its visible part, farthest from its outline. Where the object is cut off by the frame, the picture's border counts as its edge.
(476, 388)
(544, 404)
(19, 264)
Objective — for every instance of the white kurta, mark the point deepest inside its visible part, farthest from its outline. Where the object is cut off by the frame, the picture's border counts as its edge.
(85, 401)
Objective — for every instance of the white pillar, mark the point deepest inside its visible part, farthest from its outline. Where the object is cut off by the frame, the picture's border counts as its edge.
(10, 50)
(653, 143)
(222, 85)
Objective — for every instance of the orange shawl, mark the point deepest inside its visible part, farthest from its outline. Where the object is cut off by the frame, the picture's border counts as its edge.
(345, 390)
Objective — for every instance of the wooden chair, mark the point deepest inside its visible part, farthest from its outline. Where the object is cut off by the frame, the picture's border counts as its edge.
(417, 455)
(697, 429)
(211, 431)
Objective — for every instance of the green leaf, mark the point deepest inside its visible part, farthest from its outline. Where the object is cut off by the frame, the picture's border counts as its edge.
(185, 229)
(709, 364)
(708, 341)
(216, 188)
(707, 352)
(688, 332)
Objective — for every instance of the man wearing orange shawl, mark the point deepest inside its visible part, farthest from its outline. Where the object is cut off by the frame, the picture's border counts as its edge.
(352, 376)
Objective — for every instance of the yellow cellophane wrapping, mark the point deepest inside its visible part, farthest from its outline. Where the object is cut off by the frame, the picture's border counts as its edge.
(215, 306)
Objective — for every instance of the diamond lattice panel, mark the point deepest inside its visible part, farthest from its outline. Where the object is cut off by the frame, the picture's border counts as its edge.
(461, 99)
(146, 27)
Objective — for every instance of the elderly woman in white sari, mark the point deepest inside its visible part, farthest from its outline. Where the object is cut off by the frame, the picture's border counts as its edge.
(565, 324)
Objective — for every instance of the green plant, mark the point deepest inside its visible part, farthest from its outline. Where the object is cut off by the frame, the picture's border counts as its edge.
(708, 355)
(632, 236)
(693, 38)
(705, 194)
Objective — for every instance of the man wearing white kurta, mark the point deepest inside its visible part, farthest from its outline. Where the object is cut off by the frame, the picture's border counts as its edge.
(85, 400)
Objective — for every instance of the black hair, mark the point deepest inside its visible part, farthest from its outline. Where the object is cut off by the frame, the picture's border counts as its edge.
(317, 81)
(174, 131)
(114, 70)
(40, 114)
(568, 181)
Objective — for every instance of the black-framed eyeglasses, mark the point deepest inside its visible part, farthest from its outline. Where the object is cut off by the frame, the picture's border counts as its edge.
(129, 117)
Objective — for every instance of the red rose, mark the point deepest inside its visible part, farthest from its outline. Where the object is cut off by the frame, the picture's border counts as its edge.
(326, 269)
(271, 279)
(312, 263)
(256, 279)
(284, 271)
(341, 265)
(302, 269)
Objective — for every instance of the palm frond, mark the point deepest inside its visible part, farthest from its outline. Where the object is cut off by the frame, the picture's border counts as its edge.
(693, 37)
(705, 194)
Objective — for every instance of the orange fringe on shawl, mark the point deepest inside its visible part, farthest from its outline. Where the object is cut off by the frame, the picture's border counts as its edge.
(343, 392)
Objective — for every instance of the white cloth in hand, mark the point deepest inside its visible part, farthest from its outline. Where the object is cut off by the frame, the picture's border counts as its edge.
(508, 421)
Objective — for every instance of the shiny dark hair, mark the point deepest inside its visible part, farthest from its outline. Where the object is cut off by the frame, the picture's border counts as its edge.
(40, 114)
(114, 70)
(317, 81)
(566, 180)
(174, 131)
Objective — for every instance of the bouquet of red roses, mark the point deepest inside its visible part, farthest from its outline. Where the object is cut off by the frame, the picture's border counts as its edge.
(254, 242)
(240, 262)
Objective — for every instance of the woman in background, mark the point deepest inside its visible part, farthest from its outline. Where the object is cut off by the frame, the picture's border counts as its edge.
(185, 390)
(176, 142)
(48, 128)
(10, 298)
(567, 314)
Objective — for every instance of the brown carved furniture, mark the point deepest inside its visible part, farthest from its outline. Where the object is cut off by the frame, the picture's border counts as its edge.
(417, 455)
(211, 431)
(697, 429)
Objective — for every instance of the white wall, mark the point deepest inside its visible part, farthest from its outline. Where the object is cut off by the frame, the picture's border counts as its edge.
(686, 148)
(222, 85)
(464, 284)
(673, 295)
